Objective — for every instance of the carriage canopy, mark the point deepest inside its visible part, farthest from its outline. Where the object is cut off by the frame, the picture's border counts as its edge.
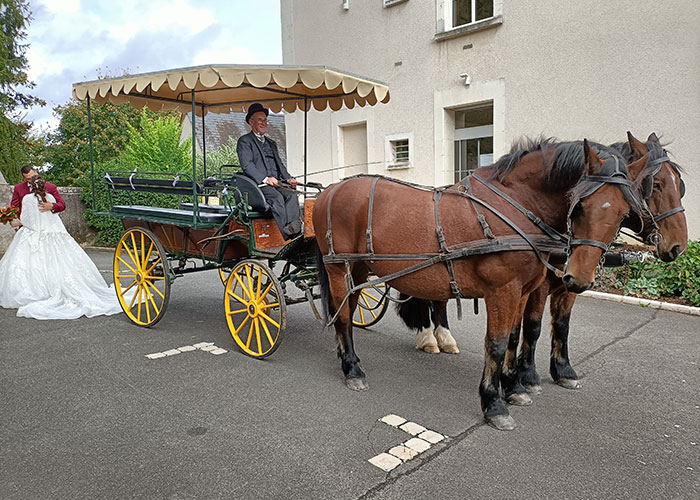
(231, 88)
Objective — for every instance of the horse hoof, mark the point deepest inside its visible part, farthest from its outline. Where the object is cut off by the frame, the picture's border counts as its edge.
(502, 422)
(519, 399)
(534, 389)
(357, 384)
(432, 349)
(569, 383)
(450, 349)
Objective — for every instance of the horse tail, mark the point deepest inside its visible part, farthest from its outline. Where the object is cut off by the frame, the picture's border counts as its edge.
(415, 313)
(323, 281)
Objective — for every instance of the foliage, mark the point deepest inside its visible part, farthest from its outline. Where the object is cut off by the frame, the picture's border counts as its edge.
(68, 148)
(225, 154)
(13, 153)
(14, 19)
(152, 147)
(680, 278)
(16, 146)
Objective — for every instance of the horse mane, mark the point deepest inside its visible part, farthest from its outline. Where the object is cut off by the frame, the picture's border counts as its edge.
(656, 150)
(506, 163)
(568, 163)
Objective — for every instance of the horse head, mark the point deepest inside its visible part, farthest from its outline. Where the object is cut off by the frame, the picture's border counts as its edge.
(662, 189)
(604, 196)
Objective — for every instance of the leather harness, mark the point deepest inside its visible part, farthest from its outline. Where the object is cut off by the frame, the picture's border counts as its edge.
(552, 239)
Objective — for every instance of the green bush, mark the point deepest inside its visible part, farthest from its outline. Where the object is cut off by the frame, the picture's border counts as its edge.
(153, 147)
(653, 279)
(225, 154)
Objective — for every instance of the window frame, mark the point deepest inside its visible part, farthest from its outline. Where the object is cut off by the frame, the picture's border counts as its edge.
(391, 3)
(390, 151)
(445, 30)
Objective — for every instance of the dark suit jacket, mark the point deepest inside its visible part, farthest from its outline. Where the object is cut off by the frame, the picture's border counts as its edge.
(22, 189)
(250, 156)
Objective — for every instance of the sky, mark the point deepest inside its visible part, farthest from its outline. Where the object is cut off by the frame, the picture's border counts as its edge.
(79, 40)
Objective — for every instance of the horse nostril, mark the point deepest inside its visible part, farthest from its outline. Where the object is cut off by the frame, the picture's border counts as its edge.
(675, 251)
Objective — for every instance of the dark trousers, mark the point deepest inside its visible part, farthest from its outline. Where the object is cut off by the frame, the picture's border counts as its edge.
(284, 206)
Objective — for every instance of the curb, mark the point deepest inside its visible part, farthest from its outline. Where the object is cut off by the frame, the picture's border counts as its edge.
(654, 304)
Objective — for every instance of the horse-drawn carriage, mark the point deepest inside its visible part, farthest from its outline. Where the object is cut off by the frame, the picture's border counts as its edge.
(489, 236)
(222, 221)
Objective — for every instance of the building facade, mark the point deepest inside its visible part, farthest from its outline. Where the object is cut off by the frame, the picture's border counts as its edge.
(469, 77)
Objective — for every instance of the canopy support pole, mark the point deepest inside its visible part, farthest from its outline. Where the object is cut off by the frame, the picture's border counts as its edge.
(92, 163)
(204, 146)
(306, 112)
(195, 201)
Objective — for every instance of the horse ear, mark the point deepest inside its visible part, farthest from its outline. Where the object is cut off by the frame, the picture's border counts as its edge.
(636, 168)
(638, 147)
(593, 162)
(652, 138)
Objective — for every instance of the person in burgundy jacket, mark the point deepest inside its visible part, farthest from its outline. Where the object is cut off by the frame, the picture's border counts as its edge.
(22, 189)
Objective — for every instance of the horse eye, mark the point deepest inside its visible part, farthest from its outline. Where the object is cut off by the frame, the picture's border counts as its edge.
(657, 186)
(577, 211)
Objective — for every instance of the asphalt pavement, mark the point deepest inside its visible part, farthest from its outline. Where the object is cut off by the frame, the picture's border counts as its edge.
(85, 414)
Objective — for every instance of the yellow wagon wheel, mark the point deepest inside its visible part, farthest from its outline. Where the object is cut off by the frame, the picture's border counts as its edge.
(141, 276)
(371, 305)
(222, 275)
(255, 309)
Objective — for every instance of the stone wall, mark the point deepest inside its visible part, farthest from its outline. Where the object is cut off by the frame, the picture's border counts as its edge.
(72, 216)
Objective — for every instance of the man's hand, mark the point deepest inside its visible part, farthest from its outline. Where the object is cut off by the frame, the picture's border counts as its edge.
(15, 223)
(292, 182)
(272, 181)
(45, 206)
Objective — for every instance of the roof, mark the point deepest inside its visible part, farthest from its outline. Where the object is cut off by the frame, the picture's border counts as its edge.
(226, 88)
(219, 127)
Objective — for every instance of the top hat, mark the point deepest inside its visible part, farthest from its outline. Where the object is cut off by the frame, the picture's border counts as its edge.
(255, 108)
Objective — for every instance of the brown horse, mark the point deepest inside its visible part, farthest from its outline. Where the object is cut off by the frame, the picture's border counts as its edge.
(417, 224)
(662, 190)
(665, 225)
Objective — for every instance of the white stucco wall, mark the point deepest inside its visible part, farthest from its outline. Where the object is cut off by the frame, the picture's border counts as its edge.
(590, 69)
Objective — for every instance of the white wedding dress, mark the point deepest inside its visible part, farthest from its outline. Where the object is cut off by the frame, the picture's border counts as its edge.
(45, 273)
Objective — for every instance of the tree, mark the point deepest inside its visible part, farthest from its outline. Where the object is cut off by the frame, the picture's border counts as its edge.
(16, 145)
(15, 16)
(68, 148)
(153, 146)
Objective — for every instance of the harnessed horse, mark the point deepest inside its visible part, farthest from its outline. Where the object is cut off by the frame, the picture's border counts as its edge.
(662, 189)
(492, 243)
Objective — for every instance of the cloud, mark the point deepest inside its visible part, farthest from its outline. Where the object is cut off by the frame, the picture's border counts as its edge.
(72, 41)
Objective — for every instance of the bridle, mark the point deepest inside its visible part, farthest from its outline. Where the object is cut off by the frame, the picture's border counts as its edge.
(653, 236)
(613, 171)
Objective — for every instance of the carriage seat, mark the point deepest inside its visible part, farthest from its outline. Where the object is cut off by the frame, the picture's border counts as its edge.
(167, 214)
(247, 187)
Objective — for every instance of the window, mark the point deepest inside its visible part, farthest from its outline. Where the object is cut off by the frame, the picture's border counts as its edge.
(469, 11)
(473, 139)
(399, 151)
(459, 17)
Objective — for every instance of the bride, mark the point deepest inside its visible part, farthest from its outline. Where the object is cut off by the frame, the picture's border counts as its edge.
(45, 273)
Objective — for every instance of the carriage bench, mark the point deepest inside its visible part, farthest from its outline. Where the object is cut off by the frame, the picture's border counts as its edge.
(172, 215)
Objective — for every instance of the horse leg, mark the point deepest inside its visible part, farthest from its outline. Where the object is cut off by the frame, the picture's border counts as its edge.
(438, 315)
(333, 290)
(415, 313)
(502, 317)
(532, 327)
(561, 304)
(514, 391)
